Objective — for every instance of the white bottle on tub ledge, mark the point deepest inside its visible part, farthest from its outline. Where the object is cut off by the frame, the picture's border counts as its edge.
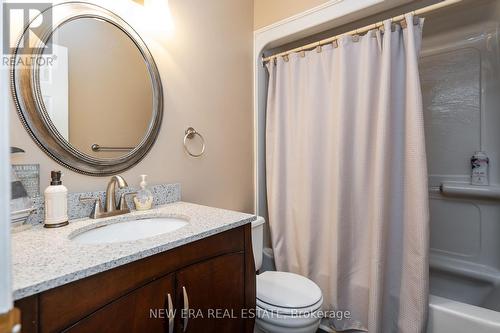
(56, 202)
(480, 167)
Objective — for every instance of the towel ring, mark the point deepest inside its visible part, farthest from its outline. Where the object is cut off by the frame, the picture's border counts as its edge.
(190, 133)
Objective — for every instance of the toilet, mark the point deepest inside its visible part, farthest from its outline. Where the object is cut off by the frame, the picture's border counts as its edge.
(286, 302)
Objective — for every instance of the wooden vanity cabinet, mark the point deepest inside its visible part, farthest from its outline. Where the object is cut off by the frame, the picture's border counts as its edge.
(210, 281)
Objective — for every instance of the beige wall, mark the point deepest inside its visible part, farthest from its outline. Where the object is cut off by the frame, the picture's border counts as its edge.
(206, 68)
(267, 12)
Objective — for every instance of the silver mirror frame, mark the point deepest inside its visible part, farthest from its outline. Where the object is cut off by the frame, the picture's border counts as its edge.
(26, 92)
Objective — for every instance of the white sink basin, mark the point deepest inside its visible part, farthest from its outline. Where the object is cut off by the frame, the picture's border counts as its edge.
(130, 230)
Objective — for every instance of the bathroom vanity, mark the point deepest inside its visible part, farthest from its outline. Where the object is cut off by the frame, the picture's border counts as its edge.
(198, 278)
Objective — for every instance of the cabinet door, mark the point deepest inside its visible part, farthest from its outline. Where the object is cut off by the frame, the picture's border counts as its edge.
(214, 292)
(143, 310)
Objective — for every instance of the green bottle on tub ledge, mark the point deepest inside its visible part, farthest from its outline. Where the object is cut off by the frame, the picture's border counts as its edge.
(144, 198)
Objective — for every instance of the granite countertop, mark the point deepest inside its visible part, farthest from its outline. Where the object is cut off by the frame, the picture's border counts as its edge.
(43, 259)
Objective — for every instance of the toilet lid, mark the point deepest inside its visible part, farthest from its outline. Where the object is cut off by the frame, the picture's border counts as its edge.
(287, 290)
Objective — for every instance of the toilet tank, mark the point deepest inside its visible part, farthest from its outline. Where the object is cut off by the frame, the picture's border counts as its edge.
(258, 240)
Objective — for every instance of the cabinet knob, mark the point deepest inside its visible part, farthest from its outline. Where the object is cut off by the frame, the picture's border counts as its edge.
(186, 309)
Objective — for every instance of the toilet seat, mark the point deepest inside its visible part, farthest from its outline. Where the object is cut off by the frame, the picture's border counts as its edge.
(287, 294)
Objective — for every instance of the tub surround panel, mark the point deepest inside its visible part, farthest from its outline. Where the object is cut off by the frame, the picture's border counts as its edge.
(47, 258)
(163, 194)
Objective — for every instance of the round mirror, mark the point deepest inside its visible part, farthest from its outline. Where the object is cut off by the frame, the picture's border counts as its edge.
(92, 97)
(97, 92)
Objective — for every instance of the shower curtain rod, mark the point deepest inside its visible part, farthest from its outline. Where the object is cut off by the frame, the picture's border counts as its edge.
(421, 11)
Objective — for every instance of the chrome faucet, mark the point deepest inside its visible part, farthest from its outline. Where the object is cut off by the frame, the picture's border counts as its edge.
(111, 208)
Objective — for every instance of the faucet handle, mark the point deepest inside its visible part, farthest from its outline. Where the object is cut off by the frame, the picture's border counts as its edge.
(97, 209)
(122, 203)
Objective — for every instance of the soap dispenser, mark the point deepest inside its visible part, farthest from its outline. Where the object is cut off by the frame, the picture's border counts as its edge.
(56, 202)
(144, 198)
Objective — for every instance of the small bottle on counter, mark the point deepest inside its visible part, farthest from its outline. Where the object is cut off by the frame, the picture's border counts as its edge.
(480, 165)
(144, 198)
(56, 202)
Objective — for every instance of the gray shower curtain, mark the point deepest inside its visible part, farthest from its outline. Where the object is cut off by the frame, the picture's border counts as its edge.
(347, 177)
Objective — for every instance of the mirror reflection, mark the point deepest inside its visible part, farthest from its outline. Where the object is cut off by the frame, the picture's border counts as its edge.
(97, 91)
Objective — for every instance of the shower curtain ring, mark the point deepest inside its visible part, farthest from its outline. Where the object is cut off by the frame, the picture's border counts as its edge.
(318, 47)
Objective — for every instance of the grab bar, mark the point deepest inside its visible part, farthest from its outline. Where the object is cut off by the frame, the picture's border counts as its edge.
(461, 190)
(97, 148)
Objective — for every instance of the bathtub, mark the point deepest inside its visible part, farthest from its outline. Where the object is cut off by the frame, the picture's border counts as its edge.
(465, 297)
(446, 316)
